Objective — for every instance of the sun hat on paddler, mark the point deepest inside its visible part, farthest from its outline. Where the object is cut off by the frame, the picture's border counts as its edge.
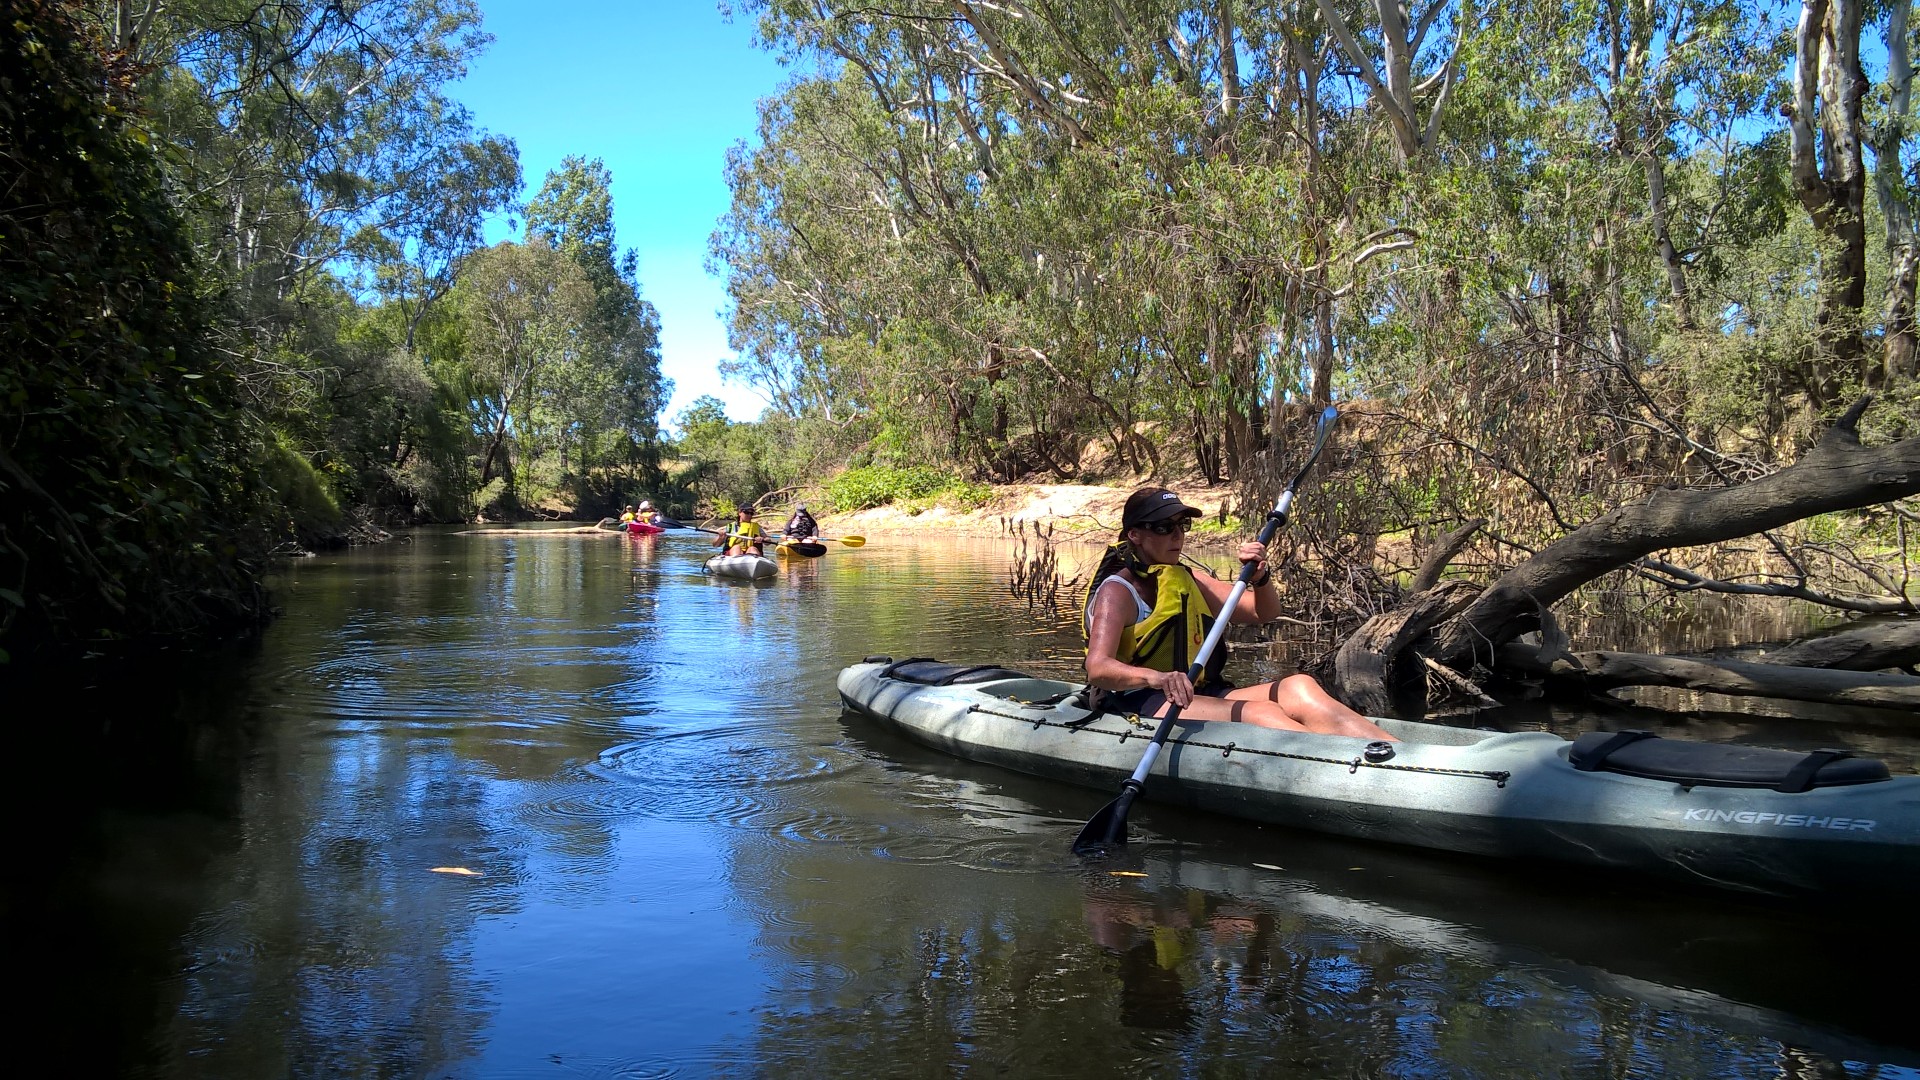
(1151, 504)
(645, 505)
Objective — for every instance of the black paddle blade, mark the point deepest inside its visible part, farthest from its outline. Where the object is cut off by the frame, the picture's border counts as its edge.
(811, 551)
(1107, 829)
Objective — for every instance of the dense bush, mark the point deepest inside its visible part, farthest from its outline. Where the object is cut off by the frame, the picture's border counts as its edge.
(877, 485)
(128, 504)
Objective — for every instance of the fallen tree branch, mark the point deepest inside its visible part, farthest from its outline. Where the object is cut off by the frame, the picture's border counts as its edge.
(1611, 670)
(1838, 473)
(1459, 683)
(1444, 550)
(1872, 647)
(1365, 666)
(1680, 579)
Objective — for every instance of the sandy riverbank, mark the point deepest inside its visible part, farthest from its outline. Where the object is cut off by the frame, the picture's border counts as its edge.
(1075, 512)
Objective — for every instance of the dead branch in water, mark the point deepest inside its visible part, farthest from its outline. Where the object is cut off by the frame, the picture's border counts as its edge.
(1035, 573)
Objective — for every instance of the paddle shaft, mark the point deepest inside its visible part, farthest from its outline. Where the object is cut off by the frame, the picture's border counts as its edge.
(1114, 832)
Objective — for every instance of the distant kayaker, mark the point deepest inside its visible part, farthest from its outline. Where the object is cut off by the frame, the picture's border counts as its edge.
(626, 517)
(801, 525)
(746, 538)
(1147, 615)
(646, 514)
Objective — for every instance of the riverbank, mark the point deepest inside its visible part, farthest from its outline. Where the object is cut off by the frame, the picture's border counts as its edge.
(1074, 512)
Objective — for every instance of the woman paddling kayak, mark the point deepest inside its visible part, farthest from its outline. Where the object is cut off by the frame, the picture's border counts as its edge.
(746, 538)
(1147, 614)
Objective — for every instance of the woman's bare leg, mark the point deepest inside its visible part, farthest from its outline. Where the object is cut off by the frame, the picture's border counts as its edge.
(1306, 704)
(1256, 711)
(1296, 703)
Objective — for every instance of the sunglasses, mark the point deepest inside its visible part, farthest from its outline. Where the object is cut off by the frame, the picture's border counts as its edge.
(1168, 528)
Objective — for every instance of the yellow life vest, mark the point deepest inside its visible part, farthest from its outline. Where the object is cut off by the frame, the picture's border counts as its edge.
(626, 517)
(1170, 636)
(745, 533)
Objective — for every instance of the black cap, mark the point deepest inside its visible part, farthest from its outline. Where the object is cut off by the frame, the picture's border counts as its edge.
(1151, 504)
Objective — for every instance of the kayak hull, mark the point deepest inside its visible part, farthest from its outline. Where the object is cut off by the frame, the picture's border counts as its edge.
(744, 567)
(1507, 795)
(641, 528)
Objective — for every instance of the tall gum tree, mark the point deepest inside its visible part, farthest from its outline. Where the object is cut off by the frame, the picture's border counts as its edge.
(616, 389)
(1896, 183)
(1827, 125)
(527, 315)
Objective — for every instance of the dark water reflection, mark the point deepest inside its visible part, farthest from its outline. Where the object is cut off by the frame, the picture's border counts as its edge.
(686, 861)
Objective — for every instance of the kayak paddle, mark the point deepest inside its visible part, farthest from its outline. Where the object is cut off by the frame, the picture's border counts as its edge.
(1108, 828)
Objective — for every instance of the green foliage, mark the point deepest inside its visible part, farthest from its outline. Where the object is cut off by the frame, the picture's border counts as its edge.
(722, 463)
(311, 507)
(616, 388)
(129, 502)
(527, 319)
(1576, 215)
(966, 494)
(877, 485)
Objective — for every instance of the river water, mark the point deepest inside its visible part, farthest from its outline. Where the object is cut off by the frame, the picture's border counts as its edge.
(482, 806)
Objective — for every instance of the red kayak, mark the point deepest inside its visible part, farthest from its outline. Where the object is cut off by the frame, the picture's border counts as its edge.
(641, 528)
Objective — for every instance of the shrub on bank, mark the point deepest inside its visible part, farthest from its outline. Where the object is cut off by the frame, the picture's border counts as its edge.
(921, 485)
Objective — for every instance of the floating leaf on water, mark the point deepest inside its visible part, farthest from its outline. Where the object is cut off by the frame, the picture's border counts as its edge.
(1125, 873)
(461, 870)
(1268, 866)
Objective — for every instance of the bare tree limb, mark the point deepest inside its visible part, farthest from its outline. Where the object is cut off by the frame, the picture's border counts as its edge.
(1836, 474)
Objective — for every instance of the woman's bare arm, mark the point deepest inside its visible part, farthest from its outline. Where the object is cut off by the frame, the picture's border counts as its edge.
(1257, 605)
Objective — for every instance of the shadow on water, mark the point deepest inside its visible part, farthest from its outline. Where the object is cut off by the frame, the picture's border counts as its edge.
(1201, 913)
(126, 789)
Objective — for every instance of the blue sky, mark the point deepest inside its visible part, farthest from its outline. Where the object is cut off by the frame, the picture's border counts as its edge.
(658, 89)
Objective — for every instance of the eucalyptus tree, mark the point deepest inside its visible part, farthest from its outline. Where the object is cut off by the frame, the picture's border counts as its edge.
(415, 266)
(527, 315)
(1827, 129)
(1055, 170)
(1895, 141)
(724, 464)
(324, 167)
(1149, 210)
(1411, 77)
(856, 265)
(789, 298)
(306, 131)
(615, 392)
